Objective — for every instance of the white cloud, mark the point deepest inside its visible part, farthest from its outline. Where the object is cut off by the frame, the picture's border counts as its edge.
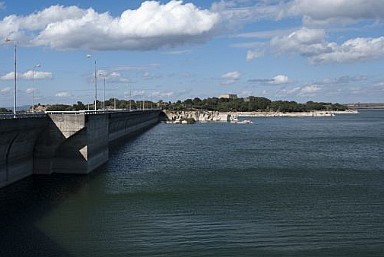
(330, 11)
(5, 90)
(279, 79)
(230, 78)
(153, 25)
(265, 34)
(310, 89)
(8, 76)
(112, 76)
(63, 94)
(254, 54)
(311, 43)
(237, 13)
(38, 75)
(232, 75)
(353, 50)
(31, 90)
(305, 41)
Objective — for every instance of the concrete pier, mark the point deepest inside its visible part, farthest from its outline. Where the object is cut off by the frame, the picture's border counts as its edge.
(64, 142)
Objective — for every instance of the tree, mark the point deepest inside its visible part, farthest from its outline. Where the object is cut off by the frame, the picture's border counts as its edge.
(79, 106)
(4, 110)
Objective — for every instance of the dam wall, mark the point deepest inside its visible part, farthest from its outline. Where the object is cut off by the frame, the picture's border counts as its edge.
(64, 142)
(127, 124)
(74, 143)
(17, 142)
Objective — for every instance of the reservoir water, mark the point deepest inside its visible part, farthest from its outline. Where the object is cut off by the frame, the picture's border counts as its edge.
(276, 187)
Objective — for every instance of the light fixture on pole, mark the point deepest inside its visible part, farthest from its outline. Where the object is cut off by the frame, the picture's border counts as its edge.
(103, 75)
(7, 40)
(130, 98)
(33, 89)
(89, 56)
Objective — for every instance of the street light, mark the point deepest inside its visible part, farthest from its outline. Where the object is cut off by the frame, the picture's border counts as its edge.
(103, 75)
(7, 40)
(33, 83)
(89, 56)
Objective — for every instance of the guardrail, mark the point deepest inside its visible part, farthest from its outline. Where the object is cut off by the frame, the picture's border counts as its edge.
(25, 115)
(99, 111)
(7, 116)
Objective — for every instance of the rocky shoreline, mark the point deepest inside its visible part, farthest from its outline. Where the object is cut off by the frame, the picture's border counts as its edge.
(188, 117)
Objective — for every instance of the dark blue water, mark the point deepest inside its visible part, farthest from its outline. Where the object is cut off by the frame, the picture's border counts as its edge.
(277, 187)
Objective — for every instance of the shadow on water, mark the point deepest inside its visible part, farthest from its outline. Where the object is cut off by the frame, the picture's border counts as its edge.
(121, 143)
(23, 204)
(26, 202)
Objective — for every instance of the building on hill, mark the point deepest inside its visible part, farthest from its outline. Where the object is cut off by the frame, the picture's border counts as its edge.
(229, 96)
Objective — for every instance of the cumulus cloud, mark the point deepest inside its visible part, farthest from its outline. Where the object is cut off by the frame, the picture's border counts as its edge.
(311, 43)
(330, 11)
(353, 50)
(305, 41)
(153, 25)
(279, 79)
(310, 89)
(63, 94)
(38, 75)
(29, 75)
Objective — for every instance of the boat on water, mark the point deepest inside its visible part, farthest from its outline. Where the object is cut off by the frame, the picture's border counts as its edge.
(242, 122)
(245, 122)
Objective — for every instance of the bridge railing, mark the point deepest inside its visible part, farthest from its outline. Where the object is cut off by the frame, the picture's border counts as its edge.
(23, 115)
(100, 111)
(7, 116)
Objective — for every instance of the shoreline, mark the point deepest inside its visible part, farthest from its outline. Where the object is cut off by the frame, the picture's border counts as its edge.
(214, 116)
(295, 114)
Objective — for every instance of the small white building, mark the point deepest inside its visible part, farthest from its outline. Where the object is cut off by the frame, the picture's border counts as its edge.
(229, 96)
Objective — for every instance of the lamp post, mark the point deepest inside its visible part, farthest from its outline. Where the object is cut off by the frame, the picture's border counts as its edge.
(103, 75)
(15, 75)
(33, 89)
(89, 56)
(130, 98)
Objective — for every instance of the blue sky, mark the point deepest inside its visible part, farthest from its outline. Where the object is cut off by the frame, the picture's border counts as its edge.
(301, 50)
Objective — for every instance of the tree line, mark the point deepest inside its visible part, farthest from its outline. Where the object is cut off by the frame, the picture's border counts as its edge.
(110, 104)
(251, 104)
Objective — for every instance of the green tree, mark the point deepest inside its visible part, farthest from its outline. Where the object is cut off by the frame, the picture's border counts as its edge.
(4, 110)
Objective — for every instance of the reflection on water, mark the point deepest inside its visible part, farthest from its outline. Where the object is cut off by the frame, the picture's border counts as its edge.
(277, 187)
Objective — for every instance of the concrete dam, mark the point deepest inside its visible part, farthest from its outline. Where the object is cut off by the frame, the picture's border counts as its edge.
(65, 142)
